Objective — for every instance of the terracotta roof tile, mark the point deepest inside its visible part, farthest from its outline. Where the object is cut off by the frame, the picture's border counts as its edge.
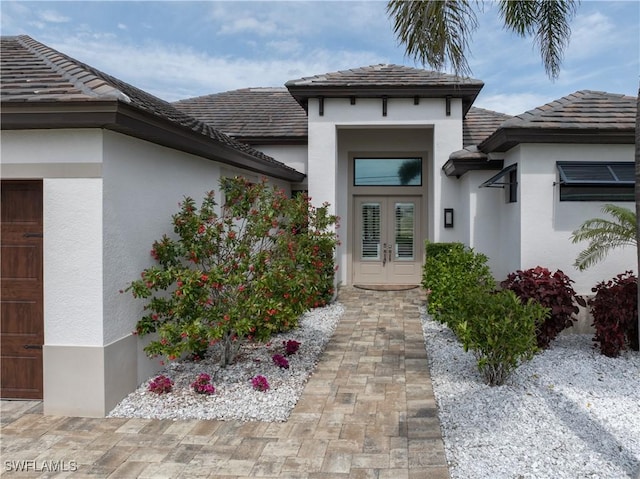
(478, 124)
(255, 113)
(31, 71)
(382, 75)
(250, 113)
(378, 81)
(585, 116)
(582, 109)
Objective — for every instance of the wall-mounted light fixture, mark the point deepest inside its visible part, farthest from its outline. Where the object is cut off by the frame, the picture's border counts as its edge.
(448, 217)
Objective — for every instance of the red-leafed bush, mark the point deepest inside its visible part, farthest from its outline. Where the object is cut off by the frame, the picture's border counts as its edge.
(615, 314)
(551, 290)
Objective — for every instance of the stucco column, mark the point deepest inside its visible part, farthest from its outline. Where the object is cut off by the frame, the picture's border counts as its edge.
(322, 164)
(73, 347)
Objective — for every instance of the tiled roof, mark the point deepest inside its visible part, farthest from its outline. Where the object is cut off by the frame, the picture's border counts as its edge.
(385, 81)
(583, 117)
(582, 109)
(479, 123)
(383, 75)
(34, 73)
(250, 114)
(260, 114)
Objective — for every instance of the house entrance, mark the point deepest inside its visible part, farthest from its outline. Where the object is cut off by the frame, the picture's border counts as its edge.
(386, 241)
(22, 318)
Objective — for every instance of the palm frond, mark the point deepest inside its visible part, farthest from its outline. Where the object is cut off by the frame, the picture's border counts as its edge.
(604, 235)
(547, 21)
(553, 32)
(435, 32)
(519, 17)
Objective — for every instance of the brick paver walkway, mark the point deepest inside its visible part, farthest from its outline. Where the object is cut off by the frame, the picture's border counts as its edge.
(368, 411)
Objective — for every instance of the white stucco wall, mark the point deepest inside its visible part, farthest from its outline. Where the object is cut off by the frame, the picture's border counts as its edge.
(536, 230)
(73, 267)
(50, 146)
(548, 222)
(72, 245)
(143, 184)
(294, 156)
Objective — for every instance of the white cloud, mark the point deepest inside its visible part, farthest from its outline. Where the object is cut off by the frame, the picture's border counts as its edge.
(285, 47)
(309, 19)
(51, 16)
(174, 72)
(249, 25)
(38, 25)
(590, 35)
(122, 26)
(513, 103)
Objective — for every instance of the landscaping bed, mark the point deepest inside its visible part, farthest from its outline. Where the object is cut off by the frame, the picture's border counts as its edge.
(235, 396)
(570, 412)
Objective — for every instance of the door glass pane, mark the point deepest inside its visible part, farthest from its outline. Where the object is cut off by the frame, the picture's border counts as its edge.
(371, 231)
(404, 231)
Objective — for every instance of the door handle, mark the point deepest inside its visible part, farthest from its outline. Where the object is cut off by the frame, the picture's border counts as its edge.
(390, 252)
(384, 254)
(32, 235)
(32, 346)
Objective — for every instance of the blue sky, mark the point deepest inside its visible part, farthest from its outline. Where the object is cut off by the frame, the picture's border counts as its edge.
(183, 49)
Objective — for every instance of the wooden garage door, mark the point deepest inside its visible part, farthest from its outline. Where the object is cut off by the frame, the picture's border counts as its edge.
(22, 321)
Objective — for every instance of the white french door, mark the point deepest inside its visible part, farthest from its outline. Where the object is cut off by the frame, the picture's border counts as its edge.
(387, 240)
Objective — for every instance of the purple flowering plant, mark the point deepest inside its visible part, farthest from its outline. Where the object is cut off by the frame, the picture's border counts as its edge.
(160, 385)
(202, 384)
(260, 383)
(280, 361)
(291, 347)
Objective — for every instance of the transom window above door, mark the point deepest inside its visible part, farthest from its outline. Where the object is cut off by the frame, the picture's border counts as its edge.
(387, 171)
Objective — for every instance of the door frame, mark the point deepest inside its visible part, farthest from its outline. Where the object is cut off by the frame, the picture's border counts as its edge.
(394, 191)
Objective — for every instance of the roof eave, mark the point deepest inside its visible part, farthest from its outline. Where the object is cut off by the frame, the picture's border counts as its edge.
(459, 166)
(467, 93)
(123, 118)
(503, 139)
(271, 140)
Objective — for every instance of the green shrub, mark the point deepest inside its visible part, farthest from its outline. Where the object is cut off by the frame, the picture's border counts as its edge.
(246, 272)
(450, 270)
(434, 250)
(500, 330)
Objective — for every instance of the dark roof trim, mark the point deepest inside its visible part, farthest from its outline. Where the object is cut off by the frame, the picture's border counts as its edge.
(459, 166)
(503, 139)
(467, 93)
(271, 140)
(493, 181)
(123, 118)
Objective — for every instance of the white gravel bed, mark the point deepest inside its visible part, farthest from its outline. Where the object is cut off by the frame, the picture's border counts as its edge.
(234, 396)
(568, 413)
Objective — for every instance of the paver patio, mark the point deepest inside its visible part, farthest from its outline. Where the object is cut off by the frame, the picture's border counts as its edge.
(368, 411)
